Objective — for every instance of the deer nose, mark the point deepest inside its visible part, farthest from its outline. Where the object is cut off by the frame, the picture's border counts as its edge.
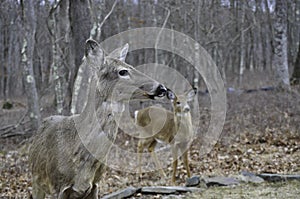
(186, 109)
(161, 90)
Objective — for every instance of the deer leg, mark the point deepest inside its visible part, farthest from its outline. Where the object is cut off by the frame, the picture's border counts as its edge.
(140, 150)
(151, 149)
(186, 163)
(79, 190)
(175, 163)
(37, 192)
(94, 193)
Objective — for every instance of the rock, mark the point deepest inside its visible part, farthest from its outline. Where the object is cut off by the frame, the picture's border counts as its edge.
(278, 177)
(250, 177)
(220, 181)
(125, 193)
(168, 190)
(172, 196)
(193, 181)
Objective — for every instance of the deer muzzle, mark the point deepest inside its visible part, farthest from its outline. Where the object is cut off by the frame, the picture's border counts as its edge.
(160, 91)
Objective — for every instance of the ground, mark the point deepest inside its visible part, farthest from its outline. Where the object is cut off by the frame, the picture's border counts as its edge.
(261, 135)
(249, 191)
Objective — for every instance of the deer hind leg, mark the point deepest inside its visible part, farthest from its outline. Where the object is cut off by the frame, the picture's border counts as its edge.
(37, 192)
(151, 149)
(175, 163)
(186, 163)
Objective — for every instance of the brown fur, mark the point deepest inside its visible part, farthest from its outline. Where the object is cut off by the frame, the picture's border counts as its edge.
(177, 130)
(68, 154)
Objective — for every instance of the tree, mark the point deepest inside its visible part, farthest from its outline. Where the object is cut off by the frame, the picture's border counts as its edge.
(280, 54)
(29, 27)
(296, 72)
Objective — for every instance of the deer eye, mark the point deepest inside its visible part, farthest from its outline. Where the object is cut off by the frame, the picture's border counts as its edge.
(178, 103)
(123, 72)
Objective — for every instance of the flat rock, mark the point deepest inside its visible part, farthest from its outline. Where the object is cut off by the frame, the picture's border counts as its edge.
(172, 196)
(193, 181)
(125, 193)
(220, 181)
(278, 177)
(250, 177)
(168, 190)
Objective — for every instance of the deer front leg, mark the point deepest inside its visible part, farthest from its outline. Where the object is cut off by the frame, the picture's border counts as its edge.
(75, 192)
(186, 163)
(175, 163)
(140, 150)
(94, 193)
(151, 149)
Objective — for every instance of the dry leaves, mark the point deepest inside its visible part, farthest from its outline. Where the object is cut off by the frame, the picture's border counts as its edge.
(261, 134)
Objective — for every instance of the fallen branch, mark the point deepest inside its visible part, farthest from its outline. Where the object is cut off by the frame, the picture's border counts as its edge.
(7, 130)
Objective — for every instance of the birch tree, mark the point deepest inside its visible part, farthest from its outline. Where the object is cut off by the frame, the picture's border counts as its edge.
(242, 43)
(29, 27)
(81, 83)
(63, 60)
(280, 54)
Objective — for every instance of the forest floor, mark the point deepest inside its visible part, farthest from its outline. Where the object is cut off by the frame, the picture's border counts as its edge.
(261, 135)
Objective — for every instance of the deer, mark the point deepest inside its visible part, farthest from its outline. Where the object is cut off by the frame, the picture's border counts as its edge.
(68, 153)
(176, 130)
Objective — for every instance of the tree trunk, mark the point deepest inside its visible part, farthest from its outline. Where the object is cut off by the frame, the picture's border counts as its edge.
(270, 35)
(63, 60)
(280, 54)
(29, 27)
(296, 72)
(242, 44)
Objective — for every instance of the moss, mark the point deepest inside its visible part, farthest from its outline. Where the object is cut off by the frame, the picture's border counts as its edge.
(7, 105)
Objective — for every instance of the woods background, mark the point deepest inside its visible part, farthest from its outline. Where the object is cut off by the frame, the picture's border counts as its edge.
(42, 42)
(254, 43)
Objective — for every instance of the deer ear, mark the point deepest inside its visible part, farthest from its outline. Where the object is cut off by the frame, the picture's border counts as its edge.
(92, 47)
(170, 95)
(191, 94)
(94, 53)
(120, 53)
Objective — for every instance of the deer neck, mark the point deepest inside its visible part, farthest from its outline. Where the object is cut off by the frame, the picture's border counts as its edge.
(99, 99)
(184, 127)
(99, 112)
(183, 119)
(97, 124)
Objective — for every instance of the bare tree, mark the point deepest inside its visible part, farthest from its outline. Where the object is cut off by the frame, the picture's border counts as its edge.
(280, 54)
(296, 72)
(240, 37)
(82, 81)
(242, 43)
(29, 27)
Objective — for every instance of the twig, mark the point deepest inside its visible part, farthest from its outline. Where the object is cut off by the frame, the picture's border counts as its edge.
(9, 128)
(158, 36)
(52, 10)
(13, 134)
(105, 18)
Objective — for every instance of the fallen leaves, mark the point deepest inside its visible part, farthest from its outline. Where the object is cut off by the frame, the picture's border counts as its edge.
(257, 137)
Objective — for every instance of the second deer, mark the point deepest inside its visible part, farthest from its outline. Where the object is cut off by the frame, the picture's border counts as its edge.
(176, 129)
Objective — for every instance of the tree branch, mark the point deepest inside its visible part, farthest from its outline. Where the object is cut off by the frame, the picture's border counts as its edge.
(99, 27)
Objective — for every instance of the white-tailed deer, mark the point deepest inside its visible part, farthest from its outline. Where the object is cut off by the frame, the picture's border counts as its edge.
(67, 155)
(177, 129)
